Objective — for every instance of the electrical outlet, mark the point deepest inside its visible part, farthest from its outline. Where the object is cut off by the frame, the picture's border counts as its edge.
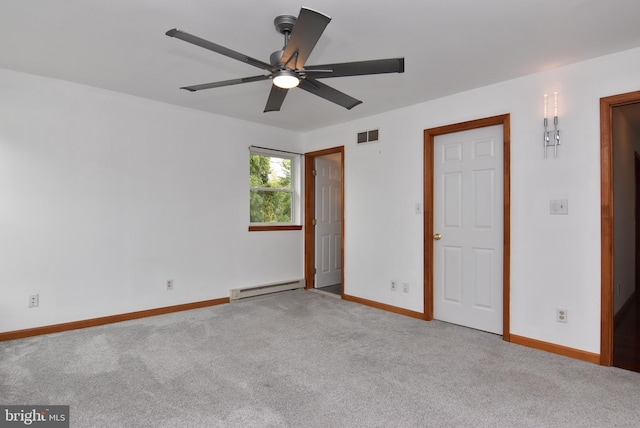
(34, 300)
(394, 286)
(561, 315)
(405, 287)
(169, 284)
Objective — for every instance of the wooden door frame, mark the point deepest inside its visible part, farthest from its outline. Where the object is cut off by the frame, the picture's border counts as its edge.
(310, 211)
(606, 220)
(429, 137)
(636, 170)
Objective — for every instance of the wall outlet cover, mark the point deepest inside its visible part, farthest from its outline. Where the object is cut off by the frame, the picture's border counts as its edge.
(561, 315)
(34, 300)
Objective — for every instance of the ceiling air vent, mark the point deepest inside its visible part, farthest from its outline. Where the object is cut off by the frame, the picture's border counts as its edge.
(368, 136)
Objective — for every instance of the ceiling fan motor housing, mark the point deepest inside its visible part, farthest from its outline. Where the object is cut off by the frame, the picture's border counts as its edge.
(274, 59)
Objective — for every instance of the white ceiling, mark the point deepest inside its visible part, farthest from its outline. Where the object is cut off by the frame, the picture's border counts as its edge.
(449, 46)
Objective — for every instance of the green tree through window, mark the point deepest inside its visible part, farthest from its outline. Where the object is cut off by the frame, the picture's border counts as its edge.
(271, 190)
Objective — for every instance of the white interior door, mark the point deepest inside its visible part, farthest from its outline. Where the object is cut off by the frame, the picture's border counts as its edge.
(468, 228)
(328, 230)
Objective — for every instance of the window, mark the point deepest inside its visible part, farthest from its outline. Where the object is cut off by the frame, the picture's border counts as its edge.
(273, 192)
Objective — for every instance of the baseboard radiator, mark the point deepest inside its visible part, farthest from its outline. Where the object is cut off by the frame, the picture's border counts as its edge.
(258, 290)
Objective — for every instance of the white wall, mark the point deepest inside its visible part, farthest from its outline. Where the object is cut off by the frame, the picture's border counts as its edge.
(626, 145)
(103, 197)
(555, 260)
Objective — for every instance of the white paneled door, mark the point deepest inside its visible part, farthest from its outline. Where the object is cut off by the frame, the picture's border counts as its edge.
(468, 228)
(328, 230)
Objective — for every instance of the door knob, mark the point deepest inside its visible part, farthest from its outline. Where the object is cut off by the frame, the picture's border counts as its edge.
(437, 236)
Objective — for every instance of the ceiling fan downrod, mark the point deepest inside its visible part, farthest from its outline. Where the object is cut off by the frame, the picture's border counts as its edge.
(284, 25)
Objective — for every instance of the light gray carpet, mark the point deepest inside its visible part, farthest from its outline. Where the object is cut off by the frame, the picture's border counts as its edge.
(306, 359)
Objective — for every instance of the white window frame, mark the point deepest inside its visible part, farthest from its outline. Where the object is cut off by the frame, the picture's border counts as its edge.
(296, 199)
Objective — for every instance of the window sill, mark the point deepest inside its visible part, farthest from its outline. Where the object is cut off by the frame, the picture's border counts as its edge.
(266, 228)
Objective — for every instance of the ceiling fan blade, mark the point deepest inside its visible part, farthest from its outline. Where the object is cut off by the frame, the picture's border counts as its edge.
(217, 48)
(225, 83)
(305, 34)
(276, 98)
(357, 68)
(329, 93)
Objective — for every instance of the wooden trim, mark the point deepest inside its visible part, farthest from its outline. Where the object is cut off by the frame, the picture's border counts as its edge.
(429, 137)
(606, 220)
(606, 235)
(93, 322)
(427, 205)
(324, 152)
(309, 231)
(506, 229)
(274, 227)
(309, 214)
(468, 125)
(383, 306)
(556, 349)
(636, 256)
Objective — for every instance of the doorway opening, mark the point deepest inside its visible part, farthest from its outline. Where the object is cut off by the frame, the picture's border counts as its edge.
(429, 139)
(620, 229)
(324, 220)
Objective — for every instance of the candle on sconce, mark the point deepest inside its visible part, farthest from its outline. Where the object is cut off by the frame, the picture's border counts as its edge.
(551, 137)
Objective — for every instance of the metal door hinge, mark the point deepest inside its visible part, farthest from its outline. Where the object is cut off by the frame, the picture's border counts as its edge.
(314, 221)
(315, 172)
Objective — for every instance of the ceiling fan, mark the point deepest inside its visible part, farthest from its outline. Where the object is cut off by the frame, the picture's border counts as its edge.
(287, 66)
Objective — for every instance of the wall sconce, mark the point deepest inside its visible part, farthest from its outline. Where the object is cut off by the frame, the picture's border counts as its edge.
(551, 138)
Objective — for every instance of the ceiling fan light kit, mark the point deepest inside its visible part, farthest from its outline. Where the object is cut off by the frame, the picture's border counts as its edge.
(287, 66)
(285, 79)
